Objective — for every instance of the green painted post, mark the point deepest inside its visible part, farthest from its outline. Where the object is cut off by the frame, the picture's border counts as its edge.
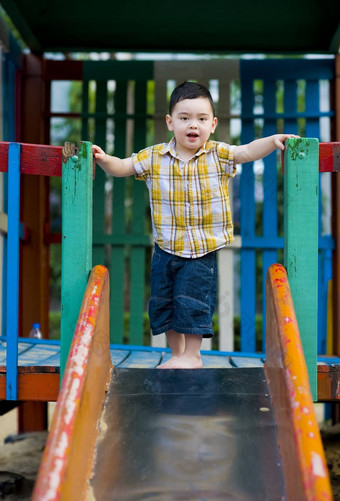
(137, 263)
(301, 205)
(117, 264)
(76, 261)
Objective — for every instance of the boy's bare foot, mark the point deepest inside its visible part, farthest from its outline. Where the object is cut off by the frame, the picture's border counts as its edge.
(164, 365)
(182, 362)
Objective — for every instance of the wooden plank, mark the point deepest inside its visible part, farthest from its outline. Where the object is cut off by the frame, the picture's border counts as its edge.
(76, 239)
(246, 362)
(38, 355)
(301, 188)
(328, 382)
(226, 299)
(270, 192)
(141, 360)
(215, 362)
(36, 159)
(32, 386)
(63, 69)
(329, 157)
(247, 221)
(22, 347)
(99, 183)
(117, 356)
(161, 109)
(137, 254)
(3, 223)
(184, 70)
(118, 224)
(336, 221)
(312, 107)
(298, 432)
(118, 70)
(85, 110)
(12, 314)
(225, 255)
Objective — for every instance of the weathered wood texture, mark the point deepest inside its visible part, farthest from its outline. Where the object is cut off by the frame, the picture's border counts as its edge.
(76, 259)
(35, 159)
(298, 432)
(301, 220)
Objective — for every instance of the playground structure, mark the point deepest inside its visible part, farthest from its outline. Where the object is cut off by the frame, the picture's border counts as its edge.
(31, 373)
(302, 164)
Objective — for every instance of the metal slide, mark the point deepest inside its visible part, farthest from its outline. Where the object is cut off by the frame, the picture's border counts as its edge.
(188, 435)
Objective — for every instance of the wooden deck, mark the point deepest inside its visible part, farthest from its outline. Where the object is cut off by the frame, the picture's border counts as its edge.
(39, 367)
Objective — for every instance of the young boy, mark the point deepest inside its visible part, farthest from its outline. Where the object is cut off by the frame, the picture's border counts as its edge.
(191, 218)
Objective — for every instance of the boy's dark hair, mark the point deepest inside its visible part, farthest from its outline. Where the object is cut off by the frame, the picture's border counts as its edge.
(189, 90)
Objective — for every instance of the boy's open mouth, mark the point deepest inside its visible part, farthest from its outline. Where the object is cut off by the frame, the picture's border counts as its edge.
(192, 134)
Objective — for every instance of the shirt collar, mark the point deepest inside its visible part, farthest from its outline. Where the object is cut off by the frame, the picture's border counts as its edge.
(170, 148)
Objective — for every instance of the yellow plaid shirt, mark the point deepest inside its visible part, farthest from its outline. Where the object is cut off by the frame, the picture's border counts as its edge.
(189, 201)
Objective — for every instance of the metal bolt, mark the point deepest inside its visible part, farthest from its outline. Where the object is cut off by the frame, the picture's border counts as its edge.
(301, 155)
(75, 159)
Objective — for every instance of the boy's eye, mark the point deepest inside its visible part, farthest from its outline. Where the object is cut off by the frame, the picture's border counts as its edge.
(184, 118)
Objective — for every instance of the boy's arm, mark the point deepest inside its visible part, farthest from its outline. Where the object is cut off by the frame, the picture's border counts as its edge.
(115, 166)
(260, 148)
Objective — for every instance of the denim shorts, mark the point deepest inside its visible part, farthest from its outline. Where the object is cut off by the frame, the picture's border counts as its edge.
(183, 293)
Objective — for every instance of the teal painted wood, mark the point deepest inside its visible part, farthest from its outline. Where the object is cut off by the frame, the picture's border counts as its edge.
(99, 183)
(77, 184)
(118, 70)
(118, 226)
(85, 110)
(141, 360)
(245, 362)
(137, 261)
(12, 292)
(301, 205)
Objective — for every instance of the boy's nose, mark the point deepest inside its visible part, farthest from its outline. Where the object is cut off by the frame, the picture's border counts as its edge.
(193, 125)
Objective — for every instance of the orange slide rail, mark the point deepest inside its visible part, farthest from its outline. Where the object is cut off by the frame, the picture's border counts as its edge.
(67, 461)
(303, 460)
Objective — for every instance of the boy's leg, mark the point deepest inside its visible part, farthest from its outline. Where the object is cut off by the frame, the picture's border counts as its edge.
(176, 343)
(191, 357)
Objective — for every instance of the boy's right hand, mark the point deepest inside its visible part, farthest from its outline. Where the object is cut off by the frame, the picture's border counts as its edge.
(98, 153)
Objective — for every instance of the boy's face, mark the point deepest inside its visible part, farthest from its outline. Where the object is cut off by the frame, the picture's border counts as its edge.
(192, 122)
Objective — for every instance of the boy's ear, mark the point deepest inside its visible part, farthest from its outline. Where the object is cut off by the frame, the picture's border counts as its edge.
(214, 125)
(169, 122)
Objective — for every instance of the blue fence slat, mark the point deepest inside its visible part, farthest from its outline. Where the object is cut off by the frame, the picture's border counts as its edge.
(12, 314)
(270, 190)
(290, 101)
(312, 105)
(288, 71)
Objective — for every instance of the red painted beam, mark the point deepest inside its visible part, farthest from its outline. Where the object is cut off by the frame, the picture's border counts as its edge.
(36, 159)
(329, 157)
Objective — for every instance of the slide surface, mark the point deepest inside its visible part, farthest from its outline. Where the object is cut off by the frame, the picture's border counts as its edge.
(188, 434)
(208, 434)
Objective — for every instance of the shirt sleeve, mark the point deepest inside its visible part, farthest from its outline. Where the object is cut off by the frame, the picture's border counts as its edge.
(226, 155)
(142, 163)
